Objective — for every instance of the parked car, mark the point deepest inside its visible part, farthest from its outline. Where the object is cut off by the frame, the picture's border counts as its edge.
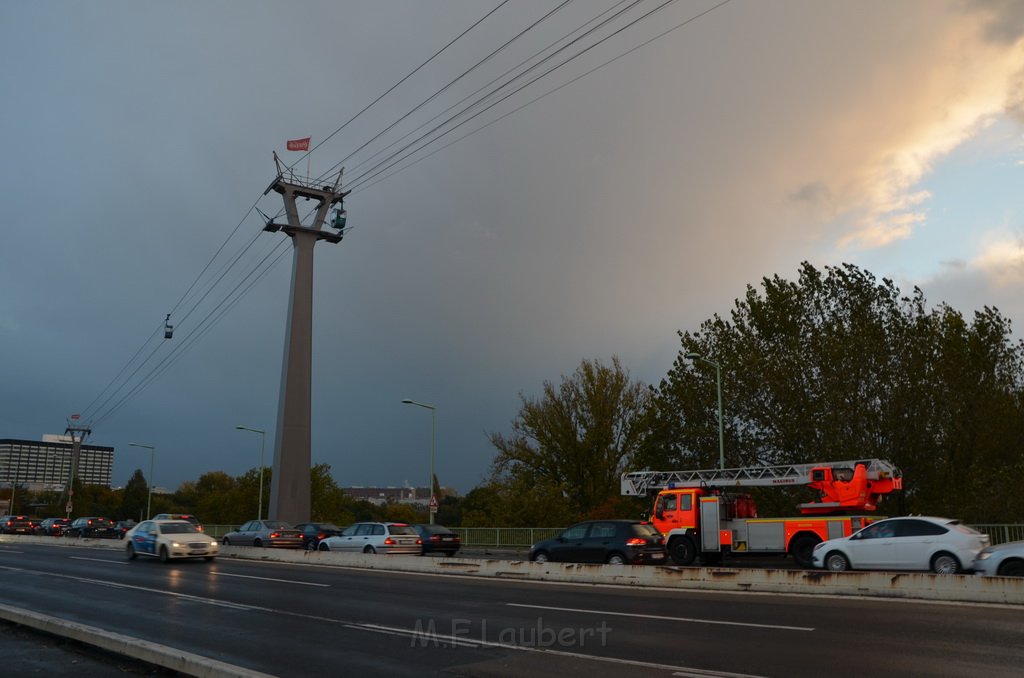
(384, 538)
(167, 539)
(438, 539)
(313, 533)
(179, 516)
(91, 526)
(615, 542)
(122, 527)
(18, 524)
(942, 545)
(1002, 560)
(52, 527)
(275, 533)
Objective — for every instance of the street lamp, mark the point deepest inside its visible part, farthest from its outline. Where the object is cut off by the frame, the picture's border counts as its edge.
(718, 380)
(152, 457)
(432, 507)
(263, 440)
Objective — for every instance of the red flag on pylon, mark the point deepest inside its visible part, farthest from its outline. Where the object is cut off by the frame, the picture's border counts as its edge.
(298, 144)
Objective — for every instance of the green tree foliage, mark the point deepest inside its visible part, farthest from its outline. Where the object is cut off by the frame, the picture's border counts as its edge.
(837, 366)
(568, 447)
(134, 498)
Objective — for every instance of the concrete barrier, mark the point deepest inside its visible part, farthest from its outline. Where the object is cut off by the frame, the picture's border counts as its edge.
(909, 585)
(127, 646)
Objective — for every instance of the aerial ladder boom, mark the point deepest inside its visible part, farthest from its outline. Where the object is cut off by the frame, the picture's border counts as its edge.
(844, 485)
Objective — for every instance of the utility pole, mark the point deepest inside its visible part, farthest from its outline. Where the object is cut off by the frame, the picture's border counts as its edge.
(289, 487)
(78, 434)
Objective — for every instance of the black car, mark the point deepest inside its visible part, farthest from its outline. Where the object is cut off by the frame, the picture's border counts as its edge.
(18, 524)
(52, 527)
(615, 542)
(438, 539)
(91, 526)
(312, 533)
(121, 527)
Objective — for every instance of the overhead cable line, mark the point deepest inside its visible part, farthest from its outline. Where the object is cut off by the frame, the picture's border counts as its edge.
(200, 329)
(395, 86)
(482, 88)
(436, 94)
(389, 162)
(253, 207)
(367, 184)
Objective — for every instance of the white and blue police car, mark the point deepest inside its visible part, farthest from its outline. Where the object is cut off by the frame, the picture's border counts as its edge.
(169, 539)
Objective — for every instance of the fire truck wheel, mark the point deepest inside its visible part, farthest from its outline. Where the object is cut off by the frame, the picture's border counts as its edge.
(836, 562)
(945, 563)
(802, 550)
(682, 550)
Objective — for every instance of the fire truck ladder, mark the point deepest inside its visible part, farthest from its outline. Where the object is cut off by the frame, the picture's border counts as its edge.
(641, 483)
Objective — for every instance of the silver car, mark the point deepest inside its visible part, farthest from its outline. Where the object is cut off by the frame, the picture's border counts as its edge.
(1003, 560)
(275, 533)
(942, 545)
(385, 538)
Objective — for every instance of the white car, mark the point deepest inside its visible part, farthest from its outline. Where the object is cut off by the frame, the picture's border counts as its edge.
(384, 538)
(167, 539)
(942, 545)
(1002, 560)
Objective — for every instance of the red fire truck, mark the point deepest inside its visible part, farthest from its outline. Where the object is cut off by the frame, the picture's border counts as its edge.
(700, 518)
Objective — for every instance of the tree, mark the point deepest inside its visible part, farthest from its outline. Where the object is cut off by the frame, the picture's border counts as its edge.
(839, 366)
(135, 497)
(569, 446)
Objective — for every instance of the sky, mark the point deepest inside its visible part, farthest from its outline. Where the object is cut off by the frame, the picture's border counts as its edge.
(626, 196)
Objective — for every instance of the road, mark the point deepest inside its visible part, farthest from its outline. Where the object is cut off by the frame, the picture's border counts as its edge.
(291, 620)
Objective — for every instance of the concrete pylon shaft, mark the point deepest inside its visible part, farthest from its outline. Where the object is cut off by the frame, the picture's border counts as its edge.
(290, 499)
(289, 489)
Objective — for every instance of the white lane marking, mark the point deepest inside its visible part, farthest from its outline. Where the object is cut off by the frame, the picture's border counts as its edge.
(219, 574)
(663, 618)
(426, 636)
(183, 596)
(283, 581)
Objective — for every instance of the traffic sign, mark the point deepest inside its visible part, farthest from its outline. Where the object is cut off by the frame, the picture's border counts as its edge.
(67, 507)
(433, 503)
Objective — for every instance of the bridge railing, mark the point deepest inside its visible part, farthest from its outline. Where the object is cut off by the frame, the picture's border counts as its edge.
(523, 537)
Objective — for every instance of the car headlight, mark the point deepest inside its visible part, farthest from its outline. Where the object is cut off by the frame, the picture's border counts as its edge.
(820, 545)
(175, 544)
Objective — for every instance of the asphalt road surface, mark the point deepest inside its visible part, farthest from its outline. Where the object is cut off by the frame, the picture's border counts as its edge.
(292, 620)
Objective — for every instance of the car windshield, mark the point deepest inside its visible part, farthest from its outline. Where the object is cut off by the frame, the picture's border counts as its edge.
(401, 529)
(277, 525)
(178, 528)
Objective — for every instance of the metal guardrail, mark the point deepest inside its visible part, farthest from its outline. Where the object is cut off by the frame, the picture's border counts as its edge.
(510, 537)
(524, 537)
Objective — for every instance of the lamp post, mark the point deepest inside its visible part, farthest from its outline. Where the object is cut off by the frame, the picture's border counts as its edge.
(263, 440)
(431, 508)
(152, 458)
(718, 381)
